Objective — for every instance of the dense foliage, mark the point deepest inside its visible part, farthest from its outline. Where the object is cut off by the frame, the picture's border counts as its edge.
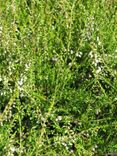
(58, 77)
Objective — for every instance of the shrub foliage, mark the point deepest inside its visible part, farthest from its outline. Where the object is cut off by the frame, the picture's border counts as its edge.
(58, 77)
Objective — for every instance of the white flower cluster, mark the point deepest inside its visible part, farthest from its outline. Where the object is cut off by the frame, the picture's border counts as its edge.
(11, 148)
(95, 62)
(59, 118)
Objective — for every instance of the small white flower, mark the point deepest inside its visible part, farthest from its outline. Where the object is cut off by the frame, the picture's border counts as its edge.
(1, 28)
(13, 149)
(99, 43)
(1, 93)
(64, 144)
(10, 154)
(94, 63)
(98, 70)
(20, 82)
(59, 118)
(96, 146)
(97, 61)
(55, 59)
(24, 45)
(79, 54)
(91, 54)
(70, 64)
(1, 123)
(97, 38)
(72, 151)
(98, 111)
(27, 66)
(10, 90)
(93, 149)
(53, 27)
(71, 51)
(14, 44)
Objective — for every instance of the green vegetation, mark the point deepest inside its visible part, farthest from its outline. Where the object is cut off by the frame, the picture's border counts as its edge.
(58, 77)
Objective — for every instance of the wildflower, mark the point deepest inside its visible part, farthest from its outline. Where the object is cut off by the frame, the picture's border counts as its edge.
(91, 54)
(0, 78)
(54, 59)
(13, 149)
(71, 51)
(98, 111)
(98, 70)
(59, 118)
(0, 28)
(20, 82)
